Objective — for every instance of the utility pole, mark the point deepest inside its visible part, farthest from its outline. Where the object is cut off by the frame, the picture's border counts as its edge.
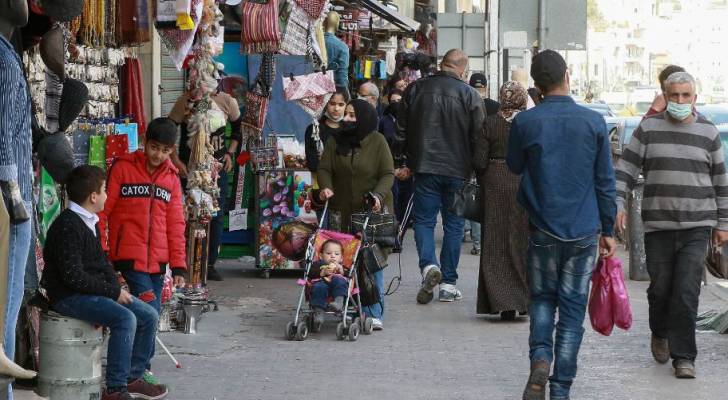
(541, 25)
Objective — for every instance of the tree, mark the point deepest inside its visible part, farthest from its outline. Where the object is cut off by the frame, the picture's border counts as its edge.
(595, 19)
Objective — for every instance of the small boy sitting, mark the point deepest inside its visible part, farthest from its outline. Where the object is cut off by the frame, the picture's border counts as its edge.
(82, 284)
(329, 281)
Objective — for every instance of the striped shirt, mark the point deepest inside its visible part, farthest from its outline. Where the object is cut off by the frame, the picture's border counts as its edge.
(15, 134)
(683, 164)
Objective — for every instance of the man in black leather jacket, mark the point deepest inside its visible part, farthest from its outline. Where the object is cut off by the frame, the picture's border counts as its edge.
(439, 118)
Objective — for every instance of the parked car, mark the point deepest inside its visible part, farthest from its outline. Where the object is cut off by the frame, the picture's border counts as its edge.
(602, 108)
(717, 114)
(621, 134)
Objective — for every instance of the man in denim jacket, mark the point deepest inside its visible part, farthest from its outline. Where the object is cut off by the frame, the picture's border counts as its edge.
(568, 189)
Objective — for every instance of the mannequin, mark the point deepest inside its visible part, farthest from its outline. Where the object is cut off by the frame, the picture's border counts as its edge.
(337, 52)
(14, 14)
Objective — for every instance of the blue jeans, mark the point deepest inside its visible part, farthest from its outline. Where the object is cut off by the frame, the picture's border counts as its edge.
(475, 233)
(148, 288)
(558, 277)
(133, 331)
(18, 248)
(322, 290)
(433, 194)
(377, 310)
(217, 223)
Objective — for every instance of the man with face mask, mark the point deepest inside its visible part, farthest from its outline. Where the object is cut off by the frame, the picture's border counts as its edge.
(680, 155)
(567, 188)
(438, 120)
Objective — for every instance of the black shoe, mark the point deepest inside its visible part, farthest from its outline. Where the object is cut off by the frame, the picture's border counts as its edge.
(684, 369)
(509, 315)
(213, 275)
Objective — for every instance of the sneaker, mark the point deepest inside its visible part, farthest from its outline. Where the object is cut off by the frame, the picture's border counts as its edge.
(213, 275)
(377, 324)
(120, 395)
(318, 318)
(338, 304)
(449, 293)
(475, 251)
(660, 349)
(431, 276)
(140, 389)
(684, 369)
(537, 380)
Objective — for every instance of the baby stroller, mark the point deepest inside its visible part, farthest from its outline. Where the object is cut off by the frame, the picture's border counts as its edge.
(353, 320)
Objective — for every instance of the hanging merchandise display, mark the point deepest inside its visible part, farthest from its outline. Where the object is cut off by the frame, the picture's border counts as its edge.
(97, 68)
(257, 98)
(178, 43)
(133, 95)
(311, 91)
(260, 30)
(314, 8)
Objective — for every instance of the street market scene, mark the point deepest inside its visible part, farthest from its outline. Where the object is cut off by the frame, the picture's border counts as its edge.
(391, 199)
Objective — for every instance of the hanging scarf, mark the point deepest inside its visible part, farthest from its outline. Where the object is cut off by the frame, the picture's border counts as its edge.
(133, 93)
(312, 91)
(513, 99)
(260, 32)
(350, 137)
(314, 8)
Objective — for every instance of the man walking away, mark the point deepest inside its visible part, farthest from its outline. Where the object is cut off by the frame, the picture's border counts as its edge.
(480, 83)
(563, 152)
(686, 194)
(439, 119)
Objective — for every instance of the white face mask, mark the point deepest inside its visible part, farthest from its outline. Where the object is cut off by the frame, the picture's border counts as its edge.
(330, 117)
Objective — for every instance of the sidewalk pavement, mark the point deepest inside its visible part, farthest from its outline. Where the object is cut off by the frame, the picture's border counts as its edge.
(437, 351)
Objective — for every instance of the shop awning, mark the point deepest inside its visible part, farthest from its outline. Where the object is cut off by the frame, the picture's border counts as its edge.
(400, 21)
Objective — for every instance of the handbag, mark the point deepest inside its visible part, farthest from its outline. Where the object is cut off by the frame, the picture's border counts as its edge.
(368, 289)
(374, 258)
(715, 262)
(466, 203)
(381, 228)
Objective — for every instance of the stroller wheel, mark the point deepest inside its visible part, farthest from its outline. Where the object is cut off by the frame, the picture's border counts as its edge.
(353, 332)
(301, 331)
(368, 326)
(340, 331)
(290, 331)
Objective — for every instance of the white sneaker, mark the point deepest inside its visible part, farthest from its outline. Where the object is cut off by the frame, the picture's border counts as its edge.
(449, 293)
(431, 276)
(377, 324)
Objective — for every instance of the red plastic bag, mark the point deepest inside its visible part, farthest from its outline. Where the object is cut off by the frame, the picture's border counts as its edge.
(621, 310)
(600, 302)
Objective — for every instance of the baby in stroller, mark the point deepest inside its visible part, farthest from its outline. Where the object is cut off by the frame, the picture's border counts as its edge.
(328, 281)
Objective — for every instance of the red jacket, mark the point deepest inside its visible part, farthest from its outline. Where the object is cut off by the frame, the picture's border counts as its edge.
(146, 226)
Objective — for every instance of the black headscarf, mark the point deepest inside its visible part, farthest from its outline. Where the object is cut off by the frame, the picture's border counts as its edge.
(367, 122)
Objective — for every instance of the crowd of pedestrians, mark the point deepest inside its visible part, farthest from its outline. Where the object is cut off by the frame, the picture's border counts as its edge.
(550, 197)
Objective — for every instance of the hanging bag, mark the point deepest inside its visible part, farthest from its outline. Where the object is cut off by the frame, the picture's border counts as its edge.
(368, 289)
(466, 203)
(374, 258)
(600, 303)
(381, 228)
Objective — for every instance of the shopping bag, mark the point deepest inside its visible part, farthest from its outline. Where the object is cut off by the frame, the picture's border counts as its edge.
(116, 145)
(621, 309)
(97, 151)
(600, 302)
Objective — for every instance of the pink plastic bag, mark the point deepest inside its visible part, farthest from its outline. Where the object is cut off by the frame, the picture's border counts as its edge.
(609, 302)
(600, 303)
(621, 309)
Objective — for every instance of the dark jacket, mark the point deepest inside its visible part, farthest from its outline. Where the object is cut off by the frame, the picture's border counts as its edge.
(491, 106)
(563, 152)
(75, 262)
(312, 156)
(440, 117)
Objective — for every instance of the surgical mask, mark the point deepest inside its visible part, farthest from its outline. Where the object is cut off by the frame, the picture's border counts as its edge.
(679, 111)
(331, 118)
(348, 127)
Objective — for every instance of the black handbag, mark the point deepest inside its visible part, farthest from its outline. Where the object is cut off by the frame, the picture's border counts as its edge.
(368, 289)
(466, 203)
(381, 228)
(373, 257)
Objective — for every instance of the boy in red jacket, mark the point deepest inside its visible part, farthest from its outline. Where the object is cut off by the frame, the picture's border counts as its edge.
(144, 215)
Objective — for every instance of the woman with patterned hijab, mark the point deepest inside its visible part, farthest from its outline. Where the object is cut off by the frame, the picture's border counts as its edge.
(502, 285)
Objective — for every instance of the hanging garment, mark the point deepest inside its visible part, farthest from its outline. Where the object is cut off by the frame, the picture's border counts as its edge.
(133, 94)
(259, 27)
(313, 8)
(312, 91)
(178, 42)
(367, 69)
(296, 37)
(382, 69)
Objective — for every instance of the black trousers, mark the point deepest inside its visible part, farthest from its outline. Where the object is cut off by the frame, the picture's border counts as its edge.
(675, 262)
